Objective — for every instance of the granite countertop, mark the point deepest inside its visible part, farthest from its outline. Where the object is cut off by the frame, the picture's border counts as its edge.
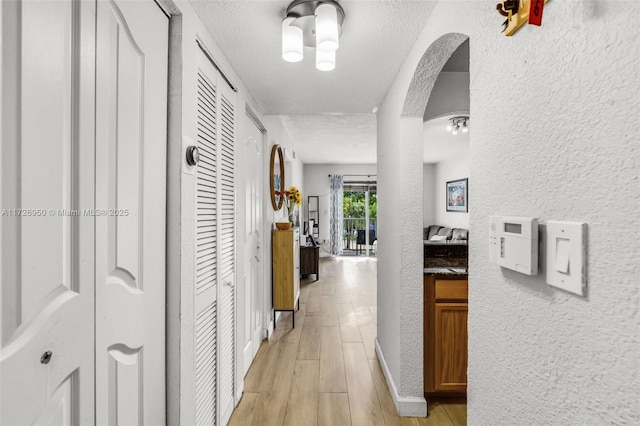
(447, 271)
(446, 242)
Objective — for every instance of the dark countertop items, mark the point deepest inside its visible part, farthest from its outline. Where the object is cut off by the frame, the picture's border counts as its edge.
(446, 271)
(446, 242)
(450, 254)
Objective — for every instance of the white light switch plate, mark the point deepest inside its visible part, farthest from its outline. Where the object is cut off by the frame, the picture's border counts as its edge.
(567, 241)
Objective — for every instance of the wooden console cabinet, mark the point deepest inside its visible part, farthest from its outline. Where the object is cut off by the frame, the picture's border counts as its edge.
(445, 334)
(286, 271)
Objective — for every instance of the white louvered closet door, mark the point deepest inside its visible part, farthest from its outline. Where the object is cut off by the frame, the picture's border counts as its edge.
(226, 293)
(215, 247)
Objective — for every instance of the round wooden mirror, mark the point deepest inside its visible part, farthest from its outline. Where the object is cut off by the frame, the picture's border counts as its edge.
(276, 177)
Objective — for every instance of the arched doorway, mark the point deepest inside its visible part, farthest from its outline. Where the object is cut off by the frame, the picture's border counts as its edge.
(400, 341)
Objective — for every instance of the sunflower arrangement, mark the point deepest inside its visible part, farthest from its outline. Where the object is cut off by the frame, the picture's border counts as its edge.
(292, 198)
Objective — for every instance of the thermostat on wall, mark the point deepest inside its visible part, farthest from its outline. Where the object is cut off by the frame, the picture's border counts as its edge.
(513, 243)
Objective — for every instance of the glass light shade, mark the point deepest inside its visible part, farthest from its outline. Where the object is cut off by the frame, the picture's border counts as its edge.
(326, 28)
(465, 128)
(455, 131)
(292, 41)
(325, 61)
(449, 127)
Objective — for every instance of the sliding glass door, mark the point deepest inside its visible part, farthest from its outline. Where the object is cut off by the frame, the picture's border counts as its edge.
(360, 207)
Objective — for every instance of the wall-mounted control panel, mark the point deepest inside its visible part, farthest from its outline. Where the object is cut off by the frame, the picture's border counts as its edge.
(513, 243)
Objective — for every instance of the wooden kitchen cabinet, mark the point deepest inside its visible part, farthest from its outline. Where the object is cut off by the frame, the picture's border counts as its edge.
(445, 334)
(286, 270)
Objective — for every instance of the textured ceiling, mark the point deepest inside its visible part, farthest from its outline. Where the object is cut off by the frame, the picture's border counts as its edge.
(440, 144)
(377, 36)
(333, 138)
(327, 114)
(351, 139)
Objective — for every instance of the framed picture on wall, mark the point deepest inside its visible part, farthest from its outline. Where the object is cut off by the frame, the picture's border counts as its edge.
(458, 195)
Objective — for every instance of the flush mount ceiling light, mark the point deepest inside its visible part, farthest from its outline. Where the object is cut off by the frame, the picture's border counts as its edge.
(312, 23)
(457, 124)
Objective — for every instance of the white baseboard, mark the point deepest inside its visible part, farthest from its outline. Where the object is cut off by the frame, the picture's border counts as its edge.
(239, 392)
(407, 406)
(247, 358)
(270, 330)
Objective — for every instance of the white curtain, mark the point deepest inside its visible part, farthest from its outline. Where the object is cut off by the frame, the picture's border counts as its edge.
(336, 215)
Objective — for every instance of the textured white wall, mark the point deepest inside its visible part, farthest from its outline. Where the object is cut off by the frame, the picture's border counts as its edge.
(276, 134)
(555, 113)
(452, 169)
(316, 182)
(428, 194)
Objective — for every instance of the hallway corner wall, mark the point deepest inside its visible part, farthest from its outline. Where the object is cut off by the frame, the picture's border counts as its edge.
(553, 137)
(186, 30)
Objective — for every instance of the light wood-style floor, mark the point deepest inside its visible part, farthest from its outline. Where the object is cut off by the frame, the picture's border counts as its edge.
(325, 371)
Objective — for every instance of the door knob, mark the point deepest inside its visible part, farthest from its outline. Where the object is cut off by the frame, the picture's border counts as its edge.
(193, 155)
(46, 357)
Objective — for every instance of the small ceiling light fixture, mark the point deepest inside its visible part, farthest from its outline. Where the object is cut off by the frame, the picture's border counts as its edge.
(312, 23)
(457, 124)
(325, 61)
(292, 47)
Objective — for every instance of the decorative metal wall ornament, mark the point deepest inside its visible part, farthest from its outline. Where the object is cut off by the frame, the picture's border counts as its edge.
(519, 12)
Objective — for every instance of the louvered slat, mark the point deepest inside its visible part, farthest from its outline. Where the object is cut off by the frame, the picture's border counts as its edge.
(227, 248)
(206, 366)
(206, 188)
(226, 355)
(206, 254)
(227, 187)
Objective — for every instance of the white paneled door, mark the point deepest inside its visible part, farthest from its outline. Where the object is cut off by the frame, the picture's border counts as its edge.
(131, 117)
(253, 242)
(47, 292)
(84, 109)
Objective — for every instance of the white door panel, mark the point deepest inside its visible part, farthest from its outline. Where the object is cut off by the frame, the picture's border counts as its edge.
(253, 149)
(131, 113)
(58, 410)
(47, 249)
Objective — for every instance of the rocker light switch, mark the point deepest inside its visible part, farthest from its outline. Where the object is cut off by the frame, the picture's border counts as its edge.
(566, 262)
(563, 247)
